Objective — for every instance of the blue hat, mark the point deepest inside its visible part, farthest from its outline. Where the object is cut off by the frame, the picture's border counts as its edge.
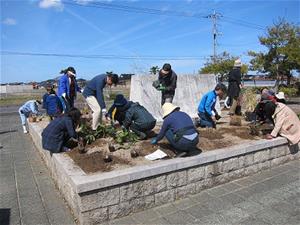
(120, 100)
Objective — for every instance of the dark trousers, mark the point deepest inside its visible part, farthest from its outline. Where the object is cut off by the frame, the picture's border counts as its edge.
(205, 120)
(183, 144)
(142, 128)
(166, 98)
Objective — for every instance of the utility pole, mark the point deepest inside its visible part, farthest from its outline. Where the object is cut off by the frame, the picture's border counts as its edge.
(214, 16)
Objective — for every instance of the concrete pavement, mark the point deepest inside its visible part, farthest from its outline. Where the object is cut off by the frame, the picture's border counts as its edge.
(27, 193)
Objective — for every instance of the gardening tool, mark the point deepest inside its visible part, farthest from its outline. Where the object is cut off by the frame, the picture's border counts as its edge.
(81, 145)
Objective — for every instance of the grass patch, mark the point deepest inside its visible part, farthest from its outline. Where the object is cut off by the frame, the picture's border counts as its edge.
(17, 99)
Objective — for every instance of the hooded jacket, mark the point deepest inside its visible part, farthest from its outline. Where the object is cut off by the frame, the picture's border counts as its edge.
(169, 81)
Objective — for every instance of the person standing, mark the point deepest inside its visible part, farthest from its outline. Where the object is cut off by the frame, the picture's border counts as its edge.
(179, 130)
(234, 85)
(206, 109)
(29, 108)
(68, 88)
(93, 93)
(166, 83)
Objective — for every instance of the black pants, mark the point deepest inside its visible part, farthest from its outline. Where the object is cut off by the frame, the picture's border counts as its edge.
(166, 98)
(142, 128)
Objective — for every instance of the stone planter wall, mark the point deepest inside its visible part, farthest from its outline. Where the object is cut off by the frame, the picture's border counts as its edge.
(100, 197)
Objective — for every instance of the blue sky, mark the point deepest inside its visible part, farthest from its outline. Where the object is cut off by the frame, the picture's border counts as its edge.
(54, 26)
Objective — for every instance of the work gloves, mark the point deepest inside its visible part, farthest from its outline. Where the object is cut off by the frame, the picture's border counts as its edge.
(153, 141)
(161, 88)
(217, 116)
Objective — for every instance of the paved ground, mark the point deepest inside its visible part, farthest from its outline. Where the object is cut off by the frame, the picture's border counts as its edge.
(28, 195)
(268, 198)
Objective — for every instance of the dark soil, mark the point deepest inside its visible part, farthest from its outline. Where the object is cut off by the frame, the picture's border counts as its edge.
(144, 148)
(94, 162)
(241, 132)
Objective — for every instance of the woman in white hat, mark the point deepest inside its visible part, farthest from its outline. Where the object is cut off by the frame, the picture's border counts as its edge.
(178, 128)
(280, 97)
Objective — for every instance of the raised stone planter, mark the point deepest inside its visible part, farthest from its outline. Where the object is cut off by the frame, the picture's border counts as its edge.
(100, 197)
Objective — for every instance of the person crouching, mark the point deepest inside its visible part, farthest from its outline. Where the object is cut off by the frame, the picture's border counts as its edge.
(178, 128)
(133, 116)
(57, 134)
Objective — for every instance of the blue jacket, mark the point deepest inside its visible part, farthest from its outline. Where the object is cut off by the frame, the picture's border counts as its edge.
(30, 106)
(53, 105)
(208, 102)
(95, 88)
(175, 121)
(64, 86)
(57, 133)
(44, 99)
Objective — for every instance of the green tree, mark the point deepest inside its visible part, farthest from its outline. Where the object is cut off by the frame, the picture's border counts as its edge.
(222, 65)
(154, 70)
(282, 41)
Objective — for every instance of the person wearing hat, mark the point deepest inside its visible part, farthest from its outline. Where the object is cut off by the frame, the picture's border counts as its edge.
(234, 86)
(280, 97)
(133, 116)
(167, 81)
(30, 107)
(178, 128)
(93, 94)
(286, 122)
(206, 109)
(68, 88)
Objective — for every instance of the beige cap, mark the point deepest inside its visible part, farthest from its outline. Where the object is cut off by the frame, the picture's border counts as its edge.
(167, 108)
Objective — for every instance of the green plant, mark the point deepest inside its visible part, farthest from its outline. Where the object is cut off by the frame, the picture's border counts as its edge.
(289, 91)
(123, 136)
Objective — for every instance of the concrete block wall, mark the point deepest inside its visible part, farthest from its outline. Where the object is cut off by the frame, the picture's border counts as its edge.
(99, 197)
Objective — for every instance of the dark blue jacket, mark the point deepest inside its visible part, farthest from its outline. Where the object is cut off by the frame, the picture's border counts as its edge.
(208, 102)
(57, 133)
(175, 121)
(53, 105)
(95, 88)
(44, 100)
(64, 86)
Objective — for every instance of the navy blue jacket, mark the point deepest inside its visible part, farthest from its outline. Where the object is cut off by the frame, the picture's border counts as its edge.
(57, 133)
(175, 121)
(44, 100)
(53, 105)
(95, 88)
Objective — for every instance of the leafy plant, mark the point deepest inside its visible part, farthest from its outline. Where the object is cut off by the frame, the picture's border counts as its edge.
(289, 91)
(123, 136)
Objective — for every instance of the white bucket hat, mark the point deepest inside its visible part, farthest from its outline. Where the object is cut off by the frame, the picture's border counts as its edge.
(238, 63)
(167, 108)
(280, 95)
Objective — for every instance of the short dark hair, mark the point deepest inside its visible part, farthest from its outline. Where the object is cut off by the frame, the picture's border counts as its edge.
(75, 115)
(221, 87)
(38, 101)
(114, 78)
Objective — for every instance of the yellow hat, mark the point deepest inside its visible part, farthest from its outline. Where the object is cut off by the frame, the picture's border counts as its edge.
(167, 108)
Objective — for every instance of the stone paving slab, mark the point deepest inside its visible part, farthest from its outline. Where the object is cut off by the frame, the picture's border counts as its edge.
(267, 198)
(27, 190)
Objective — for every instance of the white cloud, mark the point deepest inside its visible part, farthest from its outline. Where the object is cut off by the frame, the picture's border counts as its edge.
(45, 4)
(9, 22)
(85, 2)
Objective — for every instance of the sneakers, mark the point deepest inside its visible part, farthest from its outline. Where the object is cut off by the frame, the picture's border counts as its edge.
(25, 131)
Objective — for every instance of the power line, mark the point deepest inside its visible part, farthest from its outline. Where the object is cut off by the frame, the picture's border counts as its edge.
(111, 57)
(126, 8)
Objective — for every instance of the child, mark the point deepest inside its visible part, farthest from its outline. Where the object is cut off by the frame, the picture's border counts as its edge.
(48, 89)
(53, 105)
(30, 107)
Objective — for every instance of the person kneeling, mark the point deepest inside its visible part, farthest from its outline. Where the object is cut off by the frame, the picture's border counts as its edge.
(206, 109)
(178, 128)
(133, 116)
(57, 135)
(286, 122)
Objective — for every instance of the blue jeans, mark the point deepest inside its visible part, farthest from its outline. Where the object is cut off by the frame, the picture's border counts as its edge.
(23, 117)
(205, 120)
(183, 144)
